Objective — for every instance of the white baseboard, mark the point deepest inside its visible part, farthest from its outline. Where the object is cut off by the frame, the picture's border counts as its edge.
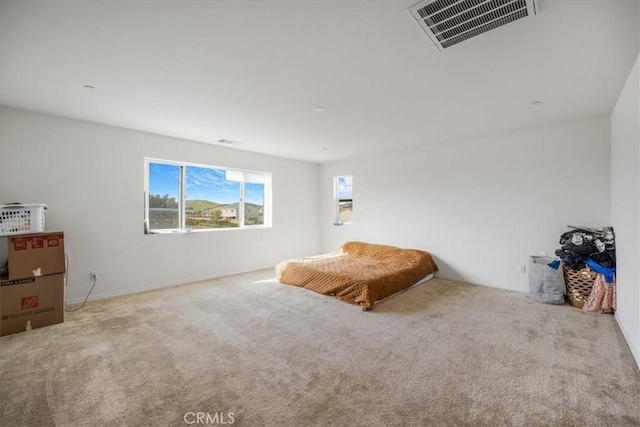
(627, 337)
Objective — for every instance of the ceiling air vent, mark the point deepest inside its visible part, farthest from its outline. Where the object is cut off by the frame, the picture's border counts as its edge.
(449, 22)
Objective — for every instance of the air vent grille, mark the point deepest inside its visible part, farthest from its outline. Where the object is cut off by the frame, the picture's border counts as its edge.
(449, 22)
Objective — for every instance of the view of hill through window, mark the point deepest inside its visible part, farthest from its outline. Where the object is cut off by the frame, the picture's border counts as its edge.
(211, 199)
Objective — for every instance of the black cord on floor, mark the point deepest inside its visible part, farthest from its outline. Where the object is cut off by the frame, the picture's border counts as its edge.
(66, 277)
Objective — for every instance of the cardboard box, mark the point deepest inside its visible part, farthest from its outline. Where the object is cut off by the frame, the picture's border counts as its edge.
(35, 255)
(31, 303)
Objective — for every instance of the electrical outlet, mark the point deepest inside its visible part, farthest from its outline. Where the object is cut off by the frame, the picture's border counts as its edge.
(93, 276)
(523, 269)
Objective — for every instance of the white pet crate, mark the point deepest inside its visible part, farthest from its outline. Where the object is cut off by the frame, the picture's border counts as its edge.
(21, 218)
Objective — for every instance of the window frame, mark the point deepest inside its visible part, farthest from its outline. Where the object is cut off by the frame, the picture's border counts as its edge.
(182, 198)
(337, 200)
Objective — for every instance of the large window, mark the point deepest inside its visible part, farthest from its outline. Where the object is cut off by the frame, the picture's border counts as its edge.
(343, 190)
(184, 196)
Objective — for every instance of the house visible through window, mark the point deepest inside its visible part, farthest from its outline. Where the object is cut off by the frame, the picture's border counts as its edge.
(183, 196)
(344, 199)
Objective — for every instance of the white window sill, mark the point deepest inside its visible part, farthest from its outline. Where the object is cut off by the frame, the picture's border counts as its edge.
(201, 230)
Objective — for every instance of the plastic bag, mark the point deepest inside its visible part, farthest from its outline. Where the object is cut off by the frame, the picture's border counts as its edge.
(546, 281)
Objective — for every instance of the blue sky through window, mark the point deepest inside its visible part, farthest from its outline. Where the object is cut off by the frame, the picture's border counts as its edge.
(211, 184)
(345, 187)
(254, 193)
(164, 179)
(202, 184)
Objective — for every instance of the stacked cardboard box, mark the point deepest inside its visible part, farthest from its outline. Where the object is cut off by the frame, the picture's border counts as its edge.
(32, 295)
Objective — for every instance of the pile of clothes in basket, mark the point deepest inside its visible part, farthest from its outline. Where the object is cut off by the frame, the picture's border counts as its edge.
(589, 263)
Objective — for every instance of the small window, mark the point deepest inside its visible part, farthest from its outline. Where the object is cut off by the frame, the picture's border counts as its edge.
(182, 196)
(343, 186)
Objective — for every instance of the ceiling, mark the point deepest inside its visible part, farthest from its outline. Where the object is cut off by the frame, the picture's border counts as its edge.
(252, 71)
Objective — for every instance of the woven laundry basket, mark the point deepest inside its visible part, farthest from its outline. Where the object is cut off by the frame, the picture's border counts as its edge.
(579, 284)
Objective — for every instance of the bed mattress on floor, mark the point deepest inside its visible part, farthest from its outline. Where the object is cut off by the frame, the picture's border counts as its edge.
(359, 273)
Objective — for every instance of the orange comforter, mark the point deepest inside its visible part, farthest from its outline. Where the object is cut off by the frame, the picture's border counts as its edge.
(358, 272)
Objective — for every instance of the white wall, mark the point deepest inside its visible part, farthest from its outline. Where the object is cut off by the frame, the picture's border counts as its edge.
(481, 206)
(92, 178)
(625, 206)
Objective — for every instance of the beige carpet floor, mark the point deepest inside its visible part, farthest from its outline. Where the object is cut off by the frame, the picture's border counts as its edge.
(248, 351)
